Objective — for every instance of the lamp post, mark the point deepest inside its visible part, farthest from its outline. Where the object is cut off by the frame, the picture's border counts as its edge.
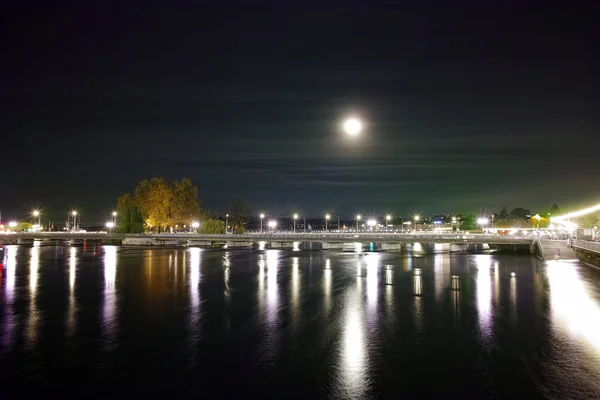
(226, 223)
(371, 223)
(453, 223)
(482, 222)
(538, 218)
(326, 220)
(195, 225)
(74, 214)
(114, 215)
(36, 214)
(357, 223)
(272, 224)
(417, 217)
(295, 218)
(261, 219)
(387, 222)
(110, 225)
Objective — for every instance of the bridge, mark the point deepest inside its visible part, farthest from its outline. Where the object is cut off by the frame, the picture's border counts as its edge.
(587, 251)
(305, 241)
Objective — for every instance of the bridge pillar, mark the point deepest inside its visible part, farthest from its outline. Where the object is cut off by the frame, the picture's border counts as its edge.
(391, 246)
(457, 248)
(24, 241)
(282, 245)
(238, 245)
(199, 243)
(332, 245)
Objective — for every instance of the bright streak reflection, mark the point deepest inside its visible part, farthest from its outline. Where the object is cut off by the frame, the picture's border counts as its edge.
(295, 300)
(9, 322)
(372, 260)
(353, 350)
(71, 316)
(579, 315)
(272, 289)
(195, 259)
(484, 294)
(110, 296)
(33, 318)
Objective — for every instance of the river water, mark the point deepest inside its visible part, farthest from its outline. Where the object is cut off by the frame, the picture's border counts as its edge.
(106, 320)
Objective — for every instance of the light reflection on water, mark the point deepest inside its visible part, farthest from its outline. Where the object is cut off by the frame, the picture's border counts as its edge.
(33, 319)
(72, 312)
(109, 321)
(342, 317)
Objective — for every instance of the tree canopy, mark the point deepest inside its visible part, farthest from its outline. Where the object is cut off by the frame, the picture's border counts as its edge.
(159, 205)
(239, 212)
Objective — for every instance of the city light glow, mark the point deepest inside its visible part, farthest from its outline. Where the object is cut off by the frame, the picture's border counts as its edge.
(272, 224)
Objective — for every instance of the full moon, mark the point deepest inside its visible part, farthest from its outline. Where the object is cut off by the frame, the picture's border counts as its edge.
(352, 126)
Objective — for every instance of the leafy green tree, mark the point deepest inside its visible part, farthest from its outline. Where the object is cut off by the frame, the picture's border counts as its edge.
(239, 212)
(212, 226)
(185, 206)
(469, 223)
(23, 227)
(130, 220)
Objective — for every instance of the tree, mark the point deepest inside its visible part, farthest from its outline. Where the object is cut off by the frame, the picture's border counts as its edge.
(469, 223)
(185, 206)
(131, 221)
(212, 226)
(23, 227)
(154, 201)
(554, 210)
(520, 213)
(238, 214)
(503, 214)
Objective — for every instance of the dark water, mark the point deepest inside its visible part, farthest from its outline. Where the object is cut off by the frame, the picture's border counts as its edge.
(283, 324)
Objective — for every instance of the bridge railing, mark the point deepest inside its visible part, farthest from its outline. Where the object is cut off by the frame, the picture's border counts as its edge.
(586, 245)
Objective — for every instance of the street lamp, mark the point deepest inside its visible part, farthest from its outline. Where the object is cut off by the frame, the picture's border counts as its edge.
(357, 223)
(36, 214)
(12, 224)
(352, 126)
(272, 224)
(226, 223)
(74, 214)
(195, 225)
(387, 222)
(371, 223)
(110, 225)
(417, 217)
(538, 218)
(482, 222)
(326, 220)
(295, 218)
(261, 219)
(114, 215)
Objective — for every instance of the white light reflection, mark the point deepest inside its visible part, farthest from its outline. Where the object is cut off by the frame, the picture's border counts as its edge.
(194, 286)
(418, 282)
(484, 294)
(9, 324)
(109, 324)
(353, 350)
(372, 260)
(295, 306)
(272, 289)
(71, 313)
(296, 246)
(327, 285)
(577, 314)
(227, 266)
(441, 269)
(262, 245)
(513, 297)
(33, 318)
(455, 295)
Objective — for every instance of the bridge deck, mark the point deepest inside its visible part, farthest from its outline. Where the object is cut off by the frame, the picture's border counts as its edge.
(289, 237)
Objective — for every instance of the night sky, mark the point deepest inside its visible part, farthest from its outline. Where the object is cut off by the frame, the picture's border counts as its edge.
(467, 107)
